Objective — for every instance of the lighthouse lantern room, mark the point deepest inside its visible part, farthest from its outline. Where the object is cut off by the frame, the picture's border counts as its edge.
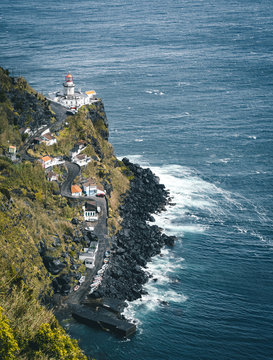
(69, 85)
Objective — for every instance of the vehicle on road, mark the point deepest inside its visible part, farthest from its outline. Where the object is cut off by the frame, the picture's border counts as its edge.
(89, 228)
(82, 279)
(71, 112)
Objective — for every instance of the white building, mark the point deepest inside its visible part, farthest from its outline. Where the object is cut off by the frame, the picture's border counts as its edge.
(71, 98)
(91, 211)
(46, 161)
(90, 187)
(77, 149)
(52, 176)
(48, 139)
(81, 159)
(89, 256)
(12, 149)
(76, 191)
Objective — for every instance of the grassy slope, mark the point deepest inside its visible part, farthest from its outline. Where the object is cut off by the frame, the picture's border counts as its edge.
(32, 212)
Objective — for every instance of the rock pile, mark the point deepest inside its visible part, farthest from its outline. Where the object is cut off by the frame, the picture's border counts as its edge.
(138, 241)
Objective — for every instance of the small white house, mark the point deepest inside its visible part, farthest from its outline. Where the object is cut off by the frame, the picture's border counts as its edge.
(46, 161)
(77, 149)
(90, 187)
(89, 256)
(81, 159)
(76, 191)
(48, 139)
(52, 176)
(12, 149)
(91, 211)
(57, 161)
(74, 152)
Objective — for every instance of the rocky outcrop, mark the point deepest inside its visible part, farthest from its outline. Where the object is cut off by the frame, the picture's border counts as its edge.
(29, 109)
(99, 119)
(138, 241)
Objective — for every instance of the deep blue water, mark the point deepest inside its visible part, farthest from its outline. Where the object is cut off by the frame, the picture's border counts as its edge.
(188, 88)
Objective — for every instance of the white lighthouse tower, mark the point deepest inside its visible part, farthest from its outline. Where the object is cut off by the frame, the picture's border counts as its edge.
(69, 85)
(72, 98)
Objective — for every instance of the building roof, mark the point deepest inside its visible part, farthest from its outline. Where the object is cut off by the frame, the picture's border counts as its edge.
(89, 182)
(12, 147)
(90, 205)
(46, 158)
(75, 189)
(48, 136)
(100, 187)
(81, 156)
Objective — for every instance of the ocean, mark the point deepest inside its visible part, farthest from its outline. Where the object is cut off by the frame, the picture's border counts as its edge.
(188, 88)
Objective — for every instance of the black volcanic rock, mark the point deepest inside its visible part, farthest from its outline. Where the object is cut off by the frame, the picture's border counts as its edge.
(53, 265)
(138, 241)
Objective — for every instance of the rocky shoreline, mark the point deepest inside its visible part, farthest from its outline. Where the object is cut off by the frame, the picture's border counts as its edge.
(138, 241)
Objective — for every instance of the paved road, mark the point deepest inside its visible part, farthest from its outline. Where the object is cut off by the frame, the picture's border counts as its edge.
(61, 115)
(73, 170)
(100, 229)
(78, 297)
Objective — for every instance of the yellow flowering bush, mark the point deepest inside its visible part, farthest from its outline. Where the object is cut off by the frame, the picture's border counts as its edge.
(57, 344)
(8, 345)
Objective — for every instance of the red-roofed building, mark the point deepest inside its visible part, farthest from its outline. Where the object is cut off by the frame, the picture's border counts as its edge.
(12, 149)
(76, 190)
(46, 161)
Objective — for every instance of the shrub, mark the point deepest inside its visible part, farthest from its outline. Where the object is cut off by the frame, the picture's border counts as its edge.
(8, 345)
(56, 344)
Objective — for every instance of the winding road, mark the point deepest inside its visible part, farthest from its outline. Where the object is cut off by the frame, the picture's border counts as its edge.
(73, 170)
(100, 229)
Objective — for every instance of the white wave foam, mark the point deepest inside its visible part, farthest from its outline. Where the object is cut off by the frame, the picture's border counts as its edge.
(138, 140)
(163, 269)
(183, 83)
(197, 204)
(225, 160)
(155, 92)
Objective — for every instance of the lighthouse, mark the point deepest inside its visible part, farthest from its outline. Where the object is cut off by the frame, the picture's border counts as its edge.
(71, 97)
(69, 85)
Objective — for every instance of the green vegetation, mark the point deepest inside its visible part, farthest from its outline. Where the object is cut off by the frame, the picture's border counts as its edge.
(111, 173)
(35, 221)
(8, 345)
(30, 214)
(20, 107)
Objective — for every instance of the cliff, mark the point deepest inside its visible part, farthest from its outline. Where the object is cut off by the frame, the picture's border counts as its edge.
(40, 243)
(42, 229)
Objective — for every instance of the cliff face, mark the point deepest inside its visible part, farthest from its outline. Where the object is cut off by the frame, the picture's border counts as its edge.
(21, 107)
(39, 240)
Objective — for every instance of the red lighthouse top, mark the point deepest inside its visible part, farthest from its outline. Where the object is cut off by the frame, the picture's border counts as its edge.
(69, 78)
